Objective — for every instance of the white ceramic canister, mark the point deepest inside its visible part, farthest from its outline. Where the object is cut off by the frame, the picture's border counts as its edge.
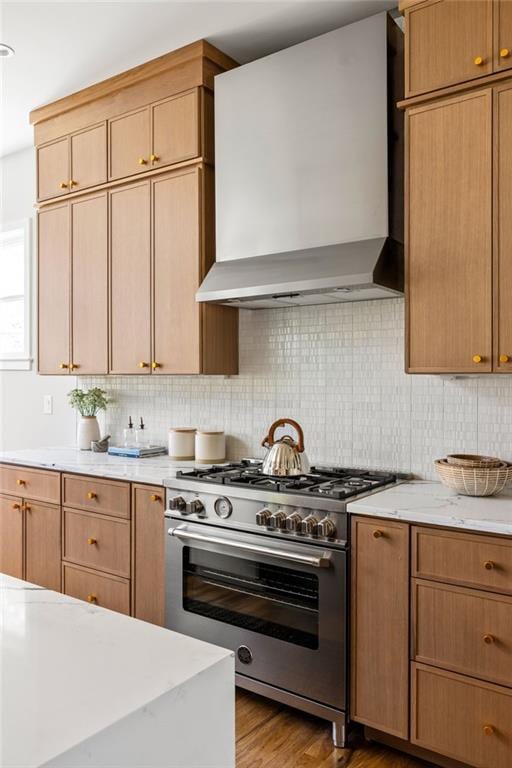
(181, 443)
(210, 447)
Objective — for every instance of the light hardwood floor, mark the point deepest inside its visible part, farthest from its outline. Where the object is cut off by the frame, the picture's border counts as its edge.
(270, 735)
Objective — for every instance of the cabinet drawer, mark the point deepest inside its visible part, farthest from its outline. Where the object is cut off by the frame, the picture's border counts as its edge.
(463, 630)
(461, 558)
(106, 496)
(30, 483)
(98, 542)
(461, 718)
(98, 589)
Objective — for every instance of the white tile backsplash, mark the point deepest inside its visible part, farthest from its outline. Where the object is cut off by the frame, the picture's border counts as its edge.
(339, 371)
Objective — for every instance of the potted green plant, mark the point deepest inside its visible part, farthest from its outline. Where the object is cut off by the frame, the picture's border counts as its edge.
(88, 403)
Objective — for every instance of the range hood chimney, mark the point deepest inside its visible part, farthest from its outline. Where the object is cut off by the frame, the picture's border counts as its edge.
(309, 172)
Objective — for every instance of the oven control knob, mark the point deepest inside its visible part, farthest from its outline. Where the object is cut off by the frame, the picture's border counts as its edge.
(195, 507)
(293, 522)
(177, 503)
(277, 519)
(309, 525)
(326, 528)
(263, 516)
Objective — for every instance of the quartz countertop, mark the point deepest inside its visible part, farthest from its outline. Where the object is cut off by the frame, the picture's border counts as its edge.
(154, 470)
(84, 686)
(435, 504)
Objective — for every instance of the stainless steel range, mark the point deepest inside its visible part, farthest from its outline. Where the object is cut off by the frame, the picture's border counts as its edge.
(259, 564)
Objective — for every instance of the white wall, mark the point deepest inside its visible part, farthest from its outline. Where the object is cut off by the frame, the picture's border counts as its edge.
(22, 423)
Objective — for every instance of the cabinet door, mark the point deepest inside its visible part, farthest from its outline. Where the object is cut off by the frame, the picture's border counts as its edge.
(53, 169)
(149, 565)
(129, 144)
(502, 35)
(503, 230)
(130, 279)
(448, 42)
(176, 273)
(89, 157)
(380, 625)
(54, 289)
(90, 284)
(11, 536)
(175, 129)
(42, 545)
(450, 236)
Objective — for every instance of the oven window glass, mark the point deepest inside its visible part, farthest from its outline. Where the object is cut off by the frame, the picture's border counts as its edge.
(268, 599)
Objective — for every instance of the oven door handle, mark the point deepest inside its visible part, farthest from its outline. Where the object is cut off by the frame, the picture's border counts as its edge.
(320, 561)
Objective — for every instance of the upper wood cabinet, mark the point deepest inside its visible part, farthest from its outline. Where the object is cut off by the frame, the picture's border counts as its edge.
(380, 625)
(503, 229)
(449, 264)
(72, 279)
(130, 279)
(73, 163)
(129, 144)
(454, 41)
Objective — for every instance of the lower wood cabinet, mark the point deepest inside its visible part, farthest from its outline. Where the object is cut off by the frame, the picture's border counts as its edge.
(96, 588)
(97, 541)
(148, 553)
(11, 536)
(380, 625)
(461, 718)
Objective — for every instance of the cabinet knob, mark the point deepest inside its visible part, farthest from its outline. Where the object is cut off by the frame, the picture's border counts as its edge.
(92, 541)
(489, 639)
(142, 161)
(20, 482)
(377, 534)
(62, 366)
(73, 183)
(72, 366)
(154, 497)
(92, 599)
(16, 506)
(478, 60)
(63, 185)
(28, 508)
(488, 730)
(155, 365)
(92, 495)
(142, 364)
(477, 358)
(504, 358)
(504, 53)
(489, 565)
(154, 158)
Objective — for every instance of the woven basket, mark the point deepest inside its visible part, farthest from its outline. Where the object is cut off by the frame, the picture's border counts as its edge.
(467, 460)
(474, 481)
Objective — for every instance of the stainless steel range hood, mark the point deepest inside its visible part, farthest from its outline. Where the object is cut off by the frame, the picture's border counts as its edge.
(309, 173)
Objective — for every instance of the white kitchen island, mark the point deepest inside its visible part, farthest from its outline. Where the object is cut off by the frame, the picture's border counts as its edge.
(84, 686)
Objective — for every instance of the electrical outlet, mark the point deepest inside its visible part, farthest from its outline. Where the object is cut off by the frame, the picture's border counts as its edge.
(48, 405)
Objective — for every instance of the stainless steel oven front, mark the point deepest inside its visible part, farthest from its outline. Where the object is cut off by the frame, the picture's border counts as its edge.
(279, 604)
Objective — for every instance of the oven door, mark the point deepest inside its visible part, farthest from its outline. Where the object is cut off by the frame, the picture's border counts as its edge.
(280, 606)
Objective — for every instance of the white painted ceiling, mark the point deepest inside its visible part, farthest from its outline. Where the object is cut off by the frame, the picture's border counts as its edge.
(64, 46)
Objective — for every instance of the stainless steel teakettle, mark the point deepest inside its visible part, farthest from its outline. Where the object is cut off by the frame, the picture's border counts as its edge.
(285, 456)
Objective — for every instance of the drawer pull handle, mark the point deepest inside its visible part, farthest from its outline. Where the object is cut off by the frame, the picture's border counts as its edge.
(92, 599)
(92, 495)
(488, 730)
(377, 534)
(489, 565)
(489, 639)
(20, 482)
(154, 497)
(92, 541)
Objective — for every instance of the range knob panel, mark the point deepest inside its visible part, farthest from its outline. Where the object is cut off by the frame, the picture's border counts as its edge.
(278, 519)
(293, 522)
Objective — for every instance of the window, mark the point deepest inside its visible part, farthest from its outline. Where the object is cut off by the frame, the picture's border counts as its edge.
(15, 296)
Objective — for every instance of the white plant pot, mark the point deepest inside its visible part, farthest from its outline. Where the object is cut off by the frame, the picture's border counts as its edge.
(88, 429)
